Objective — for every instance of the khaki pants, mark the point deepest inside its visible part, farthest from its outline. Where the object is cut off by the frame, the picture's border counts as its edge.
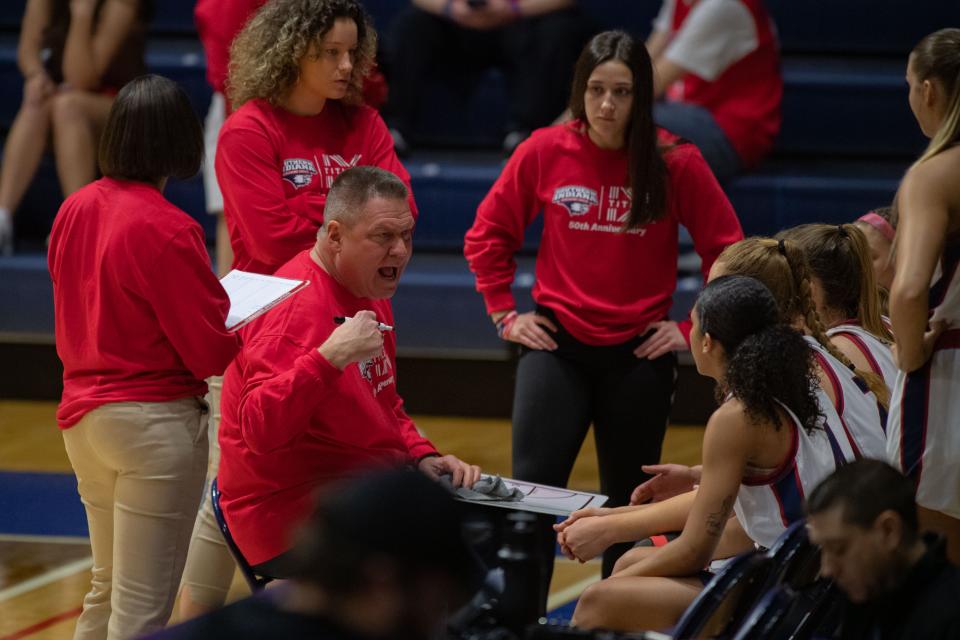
(140, 468)
(210, 566)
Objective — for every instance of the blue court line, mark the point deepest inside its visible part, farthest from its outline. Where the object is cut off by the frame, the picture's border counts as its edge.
(562, 614)
(41, 504)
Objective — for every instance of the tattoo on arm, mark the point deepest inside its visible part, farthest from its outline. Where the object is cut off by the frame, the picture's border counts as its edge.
(718, 519)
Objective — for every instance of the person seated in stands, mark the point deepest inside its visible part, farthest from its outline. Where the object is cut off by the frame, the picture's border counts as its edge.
(877, 226)
(383, 556)
(74, 56)
(309, 401)
(718, 69)
(763, 449)
(898, 583)
(535, 42)
(845, 292)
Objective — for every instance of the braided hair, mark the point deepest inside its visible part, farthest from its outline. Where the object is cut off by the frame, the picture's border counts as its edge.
(780, 264)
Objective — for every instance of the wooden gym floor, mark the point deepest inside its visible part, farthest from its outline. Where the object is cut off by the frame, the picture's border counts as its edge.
(45, 556)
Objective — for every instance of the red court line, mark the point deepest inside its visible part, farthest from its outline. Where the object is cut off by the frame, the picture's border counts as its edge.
(43, 624)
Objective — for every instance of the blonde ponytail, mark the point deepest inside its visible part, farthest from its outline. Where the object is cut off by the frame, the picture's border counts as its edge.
(937, 57)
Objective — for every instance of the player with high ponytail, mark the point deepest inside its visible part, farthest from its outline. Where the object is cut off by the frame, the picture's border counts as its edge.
(853, 400)
(846, 294)
(923, 438)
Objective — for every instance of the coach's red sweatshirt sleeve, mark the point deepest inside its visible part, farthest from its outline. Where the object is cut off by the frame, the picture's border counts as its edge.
(191, 305)
(417, 445)
(703, 208)
(284, 384)
(497, 232)
(271, 225)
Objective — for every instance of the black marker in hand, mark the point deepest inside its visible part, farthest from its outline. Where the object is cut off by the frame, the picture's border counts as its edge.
(380, 325)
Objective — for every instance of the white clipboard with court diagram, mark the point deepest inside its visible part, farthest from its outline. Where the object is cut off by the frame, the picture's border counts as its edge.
(540, 498)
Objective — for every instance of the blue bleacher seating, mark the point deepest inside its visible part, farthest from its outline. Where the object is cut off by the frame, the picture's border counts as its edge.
(847, 137)
(860, 27)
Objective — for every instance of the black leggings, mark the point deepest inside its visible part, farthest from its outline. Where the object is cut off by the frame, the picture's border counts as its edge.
(560, 393)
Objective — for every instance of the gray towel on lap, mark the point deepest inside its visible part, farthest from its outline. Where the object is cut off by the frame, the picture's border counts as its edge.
(486, 489)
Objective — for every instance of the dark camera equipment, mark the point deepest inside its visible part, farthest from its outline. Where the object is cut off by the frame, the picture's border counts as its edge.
(508, 602)
(506, 607)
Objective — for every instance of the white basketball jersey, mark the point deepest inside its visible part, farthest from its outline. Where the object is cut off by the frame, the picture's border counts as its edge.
(923, 433)
(767, 505)
(861, 417)
(876, 351)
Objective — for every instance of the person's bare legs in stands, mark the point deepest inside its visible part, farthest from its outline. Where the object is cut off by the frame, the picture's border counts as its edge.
(78, 118)
(22, 153)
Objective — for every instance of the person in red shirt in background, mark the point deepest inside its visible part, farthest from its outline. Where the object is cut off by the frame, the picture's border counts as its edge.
(296, 77)
(218, 22)
(308, 401)
(598, 349)
(717, 64)
(140, 323)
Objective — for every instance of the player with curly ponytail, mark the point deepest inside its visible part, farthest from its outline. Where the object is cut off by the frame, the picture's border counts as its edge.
(763, 448)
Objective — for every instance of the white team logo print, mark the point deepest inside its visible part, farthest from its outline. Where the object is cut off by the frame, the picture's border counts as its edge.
(299, 172)
(380, 368)
(366, 369)
(333, 164)
(577, 200)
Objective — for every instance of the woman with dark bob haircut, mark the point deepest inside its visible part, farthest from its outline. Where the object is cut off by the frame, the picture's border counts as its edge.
(140, 323)
(296, 78)
(599, 347)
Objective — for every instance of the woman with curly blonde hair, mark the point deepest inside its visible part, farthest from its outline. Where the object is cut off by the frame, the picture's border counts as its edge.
(295, 81)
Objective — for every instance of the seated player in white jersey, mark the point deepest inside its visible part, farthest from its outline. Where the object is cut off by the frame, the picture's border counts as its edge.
(846, 294)
(924, 426)
(763, 448)
(851, 397)
(850, 416)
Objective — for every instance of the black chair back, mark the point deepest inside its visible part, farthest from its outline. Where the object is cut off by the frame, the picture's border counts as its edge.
(726, 599)
(796, 560)
(255, 582)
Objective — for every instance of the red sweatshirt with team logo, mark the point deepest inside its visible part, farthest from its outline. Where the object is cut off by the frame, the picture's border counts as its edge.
(275, 169)
(604, 284)
(292, 422)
